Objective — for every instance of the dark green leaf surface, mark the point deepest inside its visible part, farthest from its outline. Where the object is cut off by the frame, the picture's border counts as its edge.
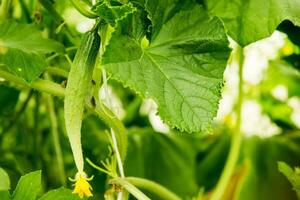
(28, 186)
(252, 20)
(181, 69)
(22, 49)
(4, 180)
(60, 194)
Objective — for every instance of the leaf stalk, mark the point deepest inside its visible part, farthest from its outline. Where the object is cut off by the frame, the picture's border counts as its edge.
(236, 138)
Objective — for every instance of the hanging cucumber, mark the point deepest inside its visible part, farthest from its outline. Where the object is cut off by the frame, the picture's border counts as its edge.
(78, 87)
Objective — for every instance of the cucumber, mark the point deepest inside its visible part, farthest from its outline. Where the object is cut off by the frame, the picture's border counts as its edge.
(77, 90)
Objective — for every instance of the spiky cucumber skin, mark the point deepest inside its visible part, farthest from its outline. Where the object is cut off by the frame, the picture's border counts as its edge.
(78, 87)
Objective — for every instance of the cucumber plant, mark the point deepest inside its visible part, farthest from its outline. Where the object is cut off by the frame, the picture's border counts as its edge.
(170, 51)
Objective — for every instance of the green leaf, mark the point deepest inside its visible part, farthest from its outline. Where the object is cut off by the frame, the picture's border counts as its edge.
(4, 180)
(252, 20)
(28, 186)
(181, 69)
(291, 175)
(113, 11)
(60, 194)
(22, 49)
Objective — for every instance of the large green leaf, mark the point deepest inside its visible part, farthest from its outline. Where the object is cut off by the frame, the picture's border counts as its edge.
(22, 49)
(250, 20)
(28, 186)
(60, 194)
(181, 69)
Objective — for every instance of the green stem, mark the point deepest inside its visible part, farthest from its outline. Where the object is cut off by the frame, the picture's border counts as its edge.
(57, 71)
(39, 84)
(131, 189)
(153, 187)
(4, 9)
(35, 130)
(109, 118)
(84, 9)
(56, 143)
(55, 137)
(236, 138)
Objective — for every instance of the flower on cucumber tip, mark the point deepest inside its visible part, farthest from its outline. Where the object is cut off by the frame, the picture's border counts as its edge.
(82, 186)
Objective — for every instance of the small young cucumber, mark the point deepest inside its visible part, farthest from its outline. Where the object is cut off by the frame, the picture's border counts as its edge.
(78, 87)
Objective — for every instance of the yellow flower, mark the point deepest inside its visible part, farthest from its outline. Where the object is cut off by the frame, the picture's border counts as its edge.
(82, 186)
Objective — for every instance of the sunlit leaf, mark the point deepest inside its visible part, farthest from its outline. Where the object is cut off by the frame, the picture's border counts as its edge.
(181, 69)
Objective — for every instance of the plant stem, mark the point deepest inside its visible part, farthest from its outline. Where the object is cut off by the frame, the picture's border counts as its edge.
(56, 143)
(119, 160)
(153, 187)
(55, 137)
(35, 130)
(109, 118)
(131, 189)
(39, 84)
(83, 8)
(236, 138)
(58, 71)
(4, 9)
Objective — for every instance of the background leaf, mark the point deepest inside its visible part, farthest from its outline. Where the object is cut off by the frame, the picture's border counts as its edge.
(22, 49)
(249, 21)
